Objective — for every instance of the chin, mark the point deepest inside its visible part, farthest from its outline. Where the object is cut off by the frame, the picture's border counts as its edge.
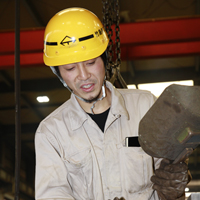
(91, 100)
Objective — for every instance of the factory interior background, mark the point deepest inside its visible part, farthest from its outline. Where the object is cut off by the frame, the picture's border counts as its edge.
(160, 43)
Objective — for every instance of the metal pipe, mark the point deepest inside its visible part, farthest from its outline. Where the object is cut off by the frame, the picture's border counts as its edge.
(17, 101)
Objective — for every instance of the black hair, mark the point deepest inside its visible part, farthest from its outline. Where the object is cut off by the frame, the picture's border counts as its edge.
(104, 58)
(57, 71)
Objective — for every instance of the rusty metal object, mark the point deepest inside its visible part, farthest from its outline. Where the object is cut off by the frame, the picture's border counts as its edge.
(171, 127)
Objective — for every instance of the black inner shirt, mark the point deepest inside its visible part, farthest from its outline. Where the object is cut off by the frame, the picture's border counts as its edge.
(100, 119)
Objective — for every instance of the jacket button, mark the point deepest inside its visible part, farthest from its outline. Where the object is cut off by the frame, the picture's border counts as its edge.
(117, 116)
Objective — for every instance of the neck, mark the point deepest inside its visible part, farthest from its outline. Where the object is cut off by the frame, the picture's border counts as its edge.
(100, 106)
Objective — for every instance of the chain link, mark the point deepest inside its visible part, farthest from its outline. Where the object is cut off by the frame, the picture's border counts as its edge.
(111, 16)
(107, 22)
(117, 32)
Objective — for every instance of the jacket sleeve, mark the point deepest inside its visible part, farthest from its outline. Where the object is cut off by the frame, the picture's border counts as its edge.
(51, 173)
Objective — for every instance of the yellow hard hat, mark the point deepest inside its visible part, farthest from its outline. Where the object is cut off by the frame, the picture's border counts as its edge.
(73, 35)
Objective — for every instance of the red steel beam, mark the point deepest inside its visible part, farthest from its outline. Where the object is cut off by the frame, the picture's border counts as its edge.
(30, 40)
(160, 31)
(127, 53)
(160, 50)
(139, 40)
(26, 59)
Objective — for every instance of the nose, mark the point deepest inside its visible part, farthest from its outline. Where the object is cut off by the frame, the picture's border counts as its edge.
(83, 73)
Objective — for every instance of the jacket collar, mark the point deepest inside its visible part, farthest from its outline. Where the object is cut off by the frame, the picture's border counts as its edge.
(77, 116)
(118, 104)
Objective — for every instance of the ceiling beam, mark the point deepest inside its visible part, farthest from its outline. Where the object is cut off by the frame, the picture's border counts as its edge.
(147, 32)
(148, 51)
(160, 31)
(139, 40)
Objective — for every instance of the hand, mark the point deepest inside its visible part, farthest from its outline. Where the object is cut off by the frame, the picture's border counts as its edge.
(170, 180)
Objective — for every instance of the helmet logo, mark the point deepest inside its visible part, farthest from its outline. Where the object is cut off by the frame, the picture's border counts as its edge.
(99, 32)
(67, 40)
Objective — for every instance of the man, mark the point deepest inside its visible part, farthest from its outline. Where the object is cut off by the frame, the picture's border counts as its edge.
(80, 147)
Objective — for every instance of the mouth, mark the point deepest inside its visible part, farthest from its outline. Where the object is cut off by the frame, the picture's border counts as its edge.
(87, 87)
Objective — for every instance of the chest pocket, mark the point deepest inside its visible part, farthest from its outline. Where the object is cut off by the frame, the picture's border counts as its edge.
(137, 168)
(80, 173)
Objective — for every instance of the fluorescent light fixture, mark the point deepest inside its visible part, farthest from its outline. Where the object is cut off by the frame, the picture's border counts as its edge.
(42, 99)
(187, 189)
(158, 88)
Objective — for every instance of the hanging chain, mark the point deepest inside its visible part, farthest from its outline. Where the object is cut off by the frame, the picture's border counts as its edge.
(117, 32)
(107, 22)
(111, 16)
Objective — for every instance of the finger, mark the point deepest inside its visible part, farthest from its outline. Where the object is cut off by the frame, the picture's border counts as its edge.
(168, 183)
(163, 163)
(169, 192)
(179, 167)
(162, 197)
(181, 176)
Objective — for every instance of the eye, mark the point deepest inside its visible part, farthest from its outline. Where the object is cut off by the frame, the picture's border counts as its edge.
(70, 69)
(91, 62)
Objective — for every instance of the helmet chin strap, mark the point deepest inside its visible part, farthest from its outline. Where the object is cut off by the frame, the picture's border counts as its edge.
(85, 100)
(82, 99)
(99, 99)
